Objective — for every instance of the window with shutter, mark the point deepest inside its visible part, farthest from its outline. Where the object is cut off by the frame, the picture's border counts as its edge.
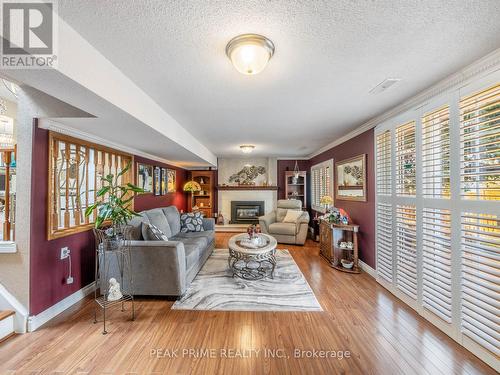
(480, 145)
(436, 154)
(384, 240)
(451, 270)
(321, 183)
(406, 159)
(436, 262)
(406, 249)
(481, 279)
(384, 178)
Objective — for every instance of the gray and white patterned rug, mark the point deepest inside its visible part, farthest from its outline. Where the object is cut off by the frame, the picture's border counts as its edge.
(214, 288)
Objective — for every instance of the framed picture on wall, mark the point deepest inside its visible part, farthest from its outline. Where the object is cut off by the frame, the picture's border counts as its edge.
(171, 180)
(157, 181)
(145, 177)
(164, 180)
(350, 179)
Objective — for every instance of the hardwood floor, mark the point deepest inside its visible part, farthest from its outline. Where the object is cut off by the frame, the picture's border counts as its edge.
(383, 336)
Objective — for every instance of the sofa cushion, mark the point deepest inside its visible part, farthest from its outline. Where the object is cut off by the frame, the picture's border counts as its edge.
(173, 218)
(192, 222)
(193, 248)
(288, 229)
(154, 233)
(292, 216)
(207, 235)
(158, 218)
(135, 233)
(280, 214)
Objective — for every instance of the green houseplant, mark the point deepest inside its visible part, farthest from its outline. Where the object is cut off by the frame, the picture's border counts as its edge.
(113, 201)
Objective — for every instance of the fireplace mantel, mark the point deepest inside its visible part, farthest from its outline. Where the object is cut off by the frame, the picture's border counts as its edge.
(248, 187)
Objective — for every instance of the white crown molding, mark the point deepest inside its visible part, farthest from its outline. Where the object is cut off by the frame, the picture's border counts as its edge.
(480, 68)
(36, 321)
(52, 125)
(293, 158)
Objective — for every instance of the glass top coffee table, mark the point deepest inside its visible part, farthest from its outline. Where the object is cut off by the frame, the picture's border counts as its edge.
(252, 260)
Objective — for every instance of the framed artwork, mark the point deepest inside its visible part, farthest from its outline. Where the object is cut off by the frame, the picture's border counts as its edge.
(171, 180)
(157, 181)
(164, 179)
(145, 177)
(350, 179)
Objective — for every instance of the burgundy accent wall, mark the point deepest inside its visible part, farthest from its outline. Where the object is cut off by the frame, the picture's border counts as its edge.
(47, 271)
(148, 201)
(362, 213)
(304, 165)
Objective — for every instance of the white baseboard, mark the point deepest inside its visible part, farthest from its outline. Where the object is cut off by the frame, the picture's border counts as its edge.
(9, 302)
(36, 321)
(369, 270)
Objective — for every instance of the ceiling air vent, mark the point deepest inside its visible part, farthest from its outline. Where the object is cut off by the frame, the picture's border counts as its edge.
(384, 85)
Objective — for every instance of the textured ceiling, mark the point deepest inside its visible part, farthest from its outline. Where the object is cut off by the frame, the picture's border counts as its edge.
(329, 54)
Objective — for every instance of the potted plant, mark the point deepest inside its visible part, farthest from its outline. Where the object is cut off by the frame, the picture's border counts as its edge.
(113, 201)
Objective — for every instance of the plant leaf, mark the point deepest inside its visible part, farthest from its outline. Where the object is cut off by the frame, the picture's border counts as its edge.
(124, 170)
(102, 191)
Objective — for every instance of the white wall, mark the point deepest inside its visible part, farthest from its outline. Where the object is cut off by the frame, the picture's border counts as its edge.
(229, 166)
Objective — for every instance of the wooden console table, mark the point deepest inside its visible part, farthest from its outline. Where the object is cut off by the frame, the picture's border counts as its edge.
(330, 237)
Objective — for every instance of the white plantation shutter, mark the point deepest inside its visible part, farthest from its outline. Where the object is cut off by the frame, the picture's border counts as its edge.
(436, 267)
(445, 162)
(321, 181)
(406, 249)
(480, 145)
(315, 189)
(481, 279)
(406, 159)
(384, 240)
(436, 154)
(384, 178)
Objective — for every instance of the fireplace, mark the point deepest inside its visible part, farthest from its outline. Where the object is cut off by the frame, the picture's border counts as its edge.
(246, 212)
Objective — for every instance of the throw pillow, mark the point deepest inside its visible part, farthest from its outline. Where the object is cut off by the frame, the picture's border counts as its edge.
(155, 234)
(292, 216)
(192, 222)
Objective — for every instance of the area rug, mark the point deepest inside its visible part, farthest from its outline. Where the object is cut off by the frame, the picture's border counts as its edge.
(214, 288)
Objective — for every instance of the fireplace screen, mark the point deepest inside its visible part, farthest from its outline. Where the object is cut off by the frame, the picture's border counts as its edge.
(246, 212)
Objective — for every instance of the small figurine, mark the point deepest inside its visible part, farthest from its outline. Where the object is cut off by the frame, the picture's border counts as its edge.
(220, 219)
(114, 293)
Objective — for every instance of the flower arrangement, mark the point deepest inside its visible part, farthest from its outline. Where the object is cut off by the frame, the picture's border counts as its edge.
(336, 216)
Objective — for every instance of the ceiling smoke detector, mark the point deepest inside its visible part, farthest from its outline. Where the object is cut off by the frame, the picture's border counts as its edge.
(384, 85)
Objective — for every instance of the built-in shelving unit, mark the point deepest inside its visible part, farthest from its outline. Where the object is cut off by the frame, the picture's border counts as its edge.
(204, 199)
(296, 186)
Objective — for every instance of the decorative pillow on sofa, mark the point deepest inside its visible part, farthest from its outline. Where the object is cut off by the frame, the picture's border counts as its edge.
(292, 216)
(192, 222)
(154, 233)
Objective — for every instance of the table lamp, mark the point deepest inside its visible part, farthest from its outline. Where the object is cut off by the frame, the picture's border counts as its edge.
(191, 186)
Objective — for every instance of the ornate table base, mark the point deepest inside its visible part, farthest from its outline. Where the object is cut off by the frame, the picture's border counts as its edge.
(252, 266)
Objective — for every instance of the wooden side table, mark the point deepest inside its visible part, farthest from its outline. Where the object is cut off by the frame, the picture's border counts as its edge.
(330, 238)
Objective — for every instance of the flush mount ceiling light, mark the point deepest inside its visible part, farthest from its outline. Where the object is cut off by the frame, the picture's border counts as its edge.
(250, 53)
(247, 148)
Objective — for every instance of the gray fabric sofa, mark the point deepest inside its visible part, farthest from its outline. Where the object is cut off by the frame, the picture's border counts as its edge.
(166, 268)
(291, 233)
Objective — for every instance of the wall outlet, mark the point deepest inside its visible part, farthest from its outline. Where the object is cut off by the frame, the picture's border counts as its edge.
(65, 252)
(69, 280)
